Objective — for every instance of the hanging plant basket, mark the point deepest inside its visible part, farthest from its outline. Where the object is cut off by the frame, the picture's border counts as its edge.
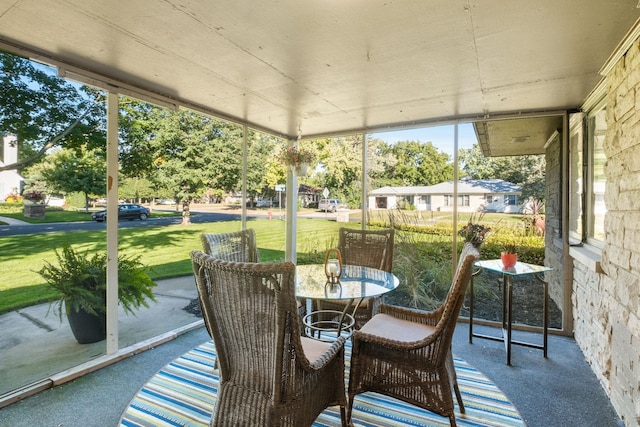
(301, 169)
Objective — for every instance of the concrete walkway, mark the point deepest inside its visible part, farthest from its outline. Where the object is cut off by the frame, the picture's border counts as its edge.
(12, 221)
(38, 347)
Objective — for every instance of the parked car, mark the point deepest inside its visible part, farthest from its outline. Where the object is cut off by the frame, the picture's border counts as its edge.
(165, 202)
(330, 205)
(128, 211)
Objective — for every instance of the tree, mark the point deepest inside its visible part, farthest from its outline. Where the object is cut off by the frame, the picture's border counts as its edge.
(412, 163)
(263, 168)
(192, 153)
(526, 171)
(45, 111)
(78, 170)
(135, 189)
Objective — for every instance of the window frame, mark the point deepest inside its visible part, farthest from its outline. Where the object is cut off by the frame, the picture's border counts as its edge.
(590, 173)
(583, 218)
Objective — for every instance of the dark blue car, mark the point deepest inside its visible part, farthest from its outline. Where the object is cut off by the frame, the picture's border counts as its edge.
(128, 211)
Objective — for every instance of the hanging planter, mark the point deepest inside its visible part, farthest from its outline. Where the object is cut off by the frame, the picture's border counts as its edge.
(302, 169)
(298, 159)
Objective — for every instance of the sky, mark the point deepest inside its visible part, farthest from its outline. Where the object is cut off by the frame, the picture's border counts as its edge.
(440, 136)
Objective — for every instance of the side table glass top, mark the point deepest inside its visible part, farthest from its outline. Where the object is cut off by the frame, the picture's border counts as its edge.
(520, 268)
(356, 282)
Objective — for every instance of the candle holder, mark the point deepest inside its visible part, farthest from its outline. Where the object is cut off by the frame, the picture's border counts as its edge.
(333, 266)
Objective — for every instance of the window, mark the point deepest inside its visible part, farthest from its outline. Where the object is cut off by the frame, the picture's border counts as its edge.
(463, 200)
(489, 198)
(587, 180)
(510, 199)
(597, 127)
(576, 177)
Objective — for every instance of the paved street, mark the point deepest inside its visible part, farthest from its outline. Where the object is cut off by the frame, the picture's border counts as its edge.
(199, 214)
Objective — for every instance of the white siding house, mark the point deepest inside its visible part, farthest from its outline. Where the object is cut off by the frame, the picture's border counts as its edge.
(489, 195)
(10, 181)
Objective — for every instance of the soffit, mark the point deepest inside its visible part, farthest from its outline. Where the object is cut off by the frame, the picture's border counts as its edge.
(313, 67)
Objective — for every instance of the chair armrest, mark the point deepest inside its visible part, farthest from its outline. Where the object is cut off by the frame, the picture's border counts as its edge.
(336, 349)
(430, 318)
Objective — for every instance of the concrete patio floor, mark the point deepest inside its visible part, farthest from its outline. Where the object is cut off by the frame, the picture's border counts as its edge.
(560, 390)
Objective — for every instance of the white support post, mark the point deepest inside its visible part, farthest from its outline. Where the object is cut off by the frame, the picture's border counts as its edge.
(454, 248)
(245, 156)
(112, 223)
(365, 172)
(292, 212)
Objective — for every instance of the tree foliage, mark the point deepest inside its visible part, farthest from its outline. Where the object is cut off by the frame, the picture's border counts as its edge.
(78, 170)
(45, 111)
(526, 171)
(413, 163)
(193, 152)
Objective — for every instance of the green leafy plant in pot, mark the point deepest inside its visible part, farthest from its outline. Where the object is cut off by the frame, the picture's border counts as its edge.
(81, 281)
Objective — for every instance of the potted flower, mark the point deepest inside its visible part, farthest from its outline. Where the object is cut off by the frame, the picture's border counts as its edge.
(297, 158)
(509, 255)
(81, 281)
(474, 232)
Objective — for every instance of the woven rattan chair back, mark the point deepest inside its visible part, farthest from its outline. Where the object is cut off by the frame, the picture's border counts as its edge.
(266, 377)
(238, 246)
(368, 248)
(413, 349)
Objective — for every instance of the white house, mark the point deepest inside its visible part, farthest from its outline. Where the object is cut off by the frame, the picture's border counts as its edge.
(10, 181)
(489, 195)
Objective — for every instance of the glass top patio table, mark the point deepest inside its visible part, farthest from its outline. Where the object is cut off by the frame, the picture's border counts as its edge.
(520, 268)
(356, 282)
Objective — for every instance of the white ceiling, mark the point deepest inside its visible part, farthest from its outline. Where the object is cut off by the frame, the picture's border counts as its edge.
(319, 67)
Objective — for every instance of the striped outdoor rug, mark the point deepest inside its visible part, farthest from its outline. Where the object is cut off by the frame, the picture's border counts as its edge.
(183, 393)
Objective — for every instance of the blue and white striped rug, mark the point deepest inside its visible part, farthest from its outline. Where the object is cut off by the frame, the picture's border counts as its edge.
(183, 393)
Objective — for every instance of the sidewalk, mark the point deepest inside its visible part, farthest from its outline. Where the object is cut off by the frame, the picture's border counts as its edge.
(12, 221)
(39, 348)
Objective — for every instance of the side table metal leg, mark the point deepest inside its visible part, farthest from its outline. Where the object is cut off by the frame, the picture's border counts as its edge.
(509, 317)
(545, 321)
(471, 311)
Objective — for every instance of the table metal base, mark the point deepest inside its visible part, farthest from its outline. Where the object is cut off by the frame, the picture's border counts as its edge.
(331, 323)
(507, 317)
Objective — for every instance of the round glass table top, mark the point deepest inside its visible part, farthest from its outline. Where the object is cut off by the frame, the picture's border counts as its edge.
(355, 282)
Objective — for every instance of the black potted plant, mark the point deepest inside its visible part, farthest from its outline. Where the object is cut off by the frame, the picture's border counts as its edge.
(81, 281)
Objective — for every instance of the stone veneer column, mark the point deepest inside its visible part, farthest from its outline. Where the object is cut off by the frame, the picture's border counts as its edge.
(606, 305)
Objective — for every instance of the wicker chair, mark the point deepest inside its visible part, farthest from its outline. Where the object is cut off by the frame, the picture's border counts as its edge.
(239, 246)
(406, 354)
(269, 374)
(368, 248)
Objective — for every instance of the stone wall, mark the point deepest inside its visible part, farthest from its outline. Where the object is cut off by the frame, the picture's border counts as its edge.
(553, 243)
(606, 305)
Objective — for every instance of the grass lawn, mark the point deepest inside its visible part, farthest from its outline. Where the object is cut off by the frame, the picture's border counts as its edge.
(164, 249)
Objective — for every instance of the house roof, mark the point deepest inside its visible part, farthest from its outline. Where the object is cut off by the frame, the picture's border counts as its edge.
(316, 68)
(484, 186)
